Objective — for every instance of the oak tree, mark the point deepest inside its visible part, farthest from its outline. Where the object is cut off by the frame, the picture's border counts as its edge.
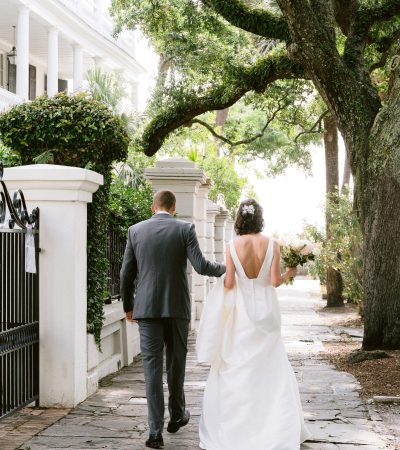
(340, 45)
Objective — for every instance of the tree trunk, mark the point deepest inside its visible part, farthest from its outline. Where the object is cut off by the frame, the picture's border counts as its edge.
(382, 267)
(346, 173)
(334, 282)
(381, 213)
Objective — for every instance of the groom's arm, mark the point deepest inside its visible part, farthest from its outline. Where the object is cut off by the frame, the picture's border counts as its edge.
(127, 276)
(195, 256)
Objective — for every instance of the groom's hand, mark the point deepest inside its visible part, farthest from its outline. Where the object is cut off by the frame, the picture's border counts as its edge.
(129, 317)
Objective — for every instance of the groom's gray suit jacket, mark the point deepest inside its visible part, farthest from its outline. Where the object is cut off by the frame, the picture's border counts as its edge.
(156, 257)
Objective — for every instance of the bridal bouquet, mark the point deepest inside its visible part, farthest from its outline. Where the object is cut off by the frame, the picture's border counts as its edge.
(297, 252)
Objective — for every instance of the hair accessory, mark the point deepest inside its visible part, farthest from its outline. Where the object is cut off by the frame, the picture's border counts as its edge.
(248, 209)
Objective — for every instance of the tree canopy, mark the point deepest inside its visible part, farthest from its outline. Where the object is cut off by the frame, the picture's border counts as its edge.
(349, 49)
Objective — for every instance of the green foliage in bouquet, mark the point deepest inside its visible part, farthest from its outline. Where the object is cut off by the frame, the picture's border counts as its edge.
(297, 253)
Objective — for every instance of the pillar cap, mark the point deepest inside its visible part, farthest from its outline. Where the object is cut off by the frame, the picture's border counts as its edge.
(53, 182)
(176, 168)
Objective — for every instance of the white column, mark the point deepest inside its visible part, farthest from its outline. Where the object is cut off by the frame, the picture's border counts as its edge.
(22, 88)
(62, 194)
(200, 288)
(52, 62)
(220, 221)
(212, 211)
(77, 67)
(183, 178)
(229, 232)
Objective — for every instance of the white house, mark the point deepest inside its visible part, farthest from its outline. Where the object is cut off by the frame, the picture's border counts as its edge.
(48, 45)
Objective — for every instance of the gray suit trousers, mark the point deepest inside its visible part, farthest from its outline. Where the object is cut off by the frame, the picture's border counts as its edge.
(154, 335)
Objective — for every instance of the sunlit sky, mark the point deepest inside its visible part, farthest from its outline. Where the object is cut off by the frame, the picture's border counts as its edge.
(289, 200)
(294, 198)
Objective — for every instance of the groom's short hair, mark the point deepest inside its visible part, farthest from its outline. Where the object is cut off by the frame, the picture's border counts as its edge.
(164, 199)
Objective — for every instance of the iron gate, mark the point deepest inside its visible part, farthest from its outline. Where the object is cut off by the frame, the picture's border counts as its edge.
(19, 305)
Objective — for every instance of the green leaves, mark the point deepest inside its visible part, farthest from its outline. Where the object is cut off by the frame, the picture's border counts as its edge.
(74, 131)
(343, 249)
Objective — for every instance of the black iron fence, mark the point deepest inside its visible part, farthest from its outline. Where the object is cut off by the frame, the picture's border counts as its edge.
(19, 302)
(115, 252)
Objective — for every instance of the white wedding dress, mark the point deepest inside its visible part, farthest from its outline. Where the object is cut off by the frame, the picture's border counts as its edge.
(251, 400)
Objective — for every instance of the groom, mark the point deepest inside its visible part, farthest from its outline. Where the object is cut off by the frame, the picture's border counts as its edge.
(156, 257)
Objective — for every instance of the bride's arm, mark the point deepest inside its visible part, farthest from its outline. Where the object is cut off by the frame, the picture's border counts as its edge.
(276, 277)
(229, 281)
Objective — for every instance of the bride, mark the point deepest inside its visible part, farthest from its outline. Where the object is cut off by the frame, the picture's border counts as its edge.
(251, 399)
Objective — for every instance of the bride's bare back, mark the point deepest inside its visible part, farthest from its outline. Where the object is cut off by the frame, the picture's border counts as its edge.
(251, 250)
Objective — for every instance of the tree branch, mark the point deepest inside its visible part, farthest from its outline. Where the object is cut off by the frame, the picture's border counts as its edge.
(313, 128)
(345, 13)
(185, 106)
(225, 139)
(378, 11)
(242, 141)
(367, 15)
(256, 21)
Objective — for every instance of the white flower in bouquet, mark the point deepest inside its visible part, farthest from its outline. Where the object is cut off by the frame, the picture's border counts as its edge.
(308, 248)
(316, 251)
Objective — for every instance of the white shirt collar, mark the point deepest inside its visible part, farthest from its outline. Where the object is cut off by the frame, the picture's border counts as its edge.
(162, 212)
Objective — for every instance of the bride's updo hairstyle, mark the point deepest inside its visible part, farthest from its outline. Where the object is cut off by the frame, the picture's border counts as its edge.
(249, 218)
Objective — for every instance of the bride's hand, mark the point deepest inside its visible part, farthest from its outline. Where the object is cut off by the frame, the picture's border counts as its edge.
(291, 272)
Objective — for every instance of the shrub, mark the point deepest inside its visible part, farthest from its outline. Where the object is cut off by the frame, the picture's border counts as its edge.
(343, 250)
(74, 131)
(8, 157)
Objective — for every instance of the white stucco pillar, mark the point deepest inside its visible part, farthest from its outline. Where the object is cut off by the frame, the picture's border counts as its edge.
(77, 67)
(212, 211)
(200, 288)
(219, 229)
(22, 87)
(62, 194)
(184, 178)
(229, 232)
(52, 62)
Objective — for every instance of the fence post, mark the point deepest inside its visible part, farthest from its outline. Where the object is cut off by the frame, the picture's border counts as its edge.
(62, 194)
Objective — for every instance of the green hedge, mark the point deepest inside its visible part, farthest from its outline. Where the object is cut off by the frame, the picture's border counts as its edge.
(74, 131)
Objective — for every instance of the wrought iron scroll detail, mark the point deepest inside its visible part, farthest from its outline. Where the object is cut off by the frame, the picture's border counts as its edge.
(16, 207)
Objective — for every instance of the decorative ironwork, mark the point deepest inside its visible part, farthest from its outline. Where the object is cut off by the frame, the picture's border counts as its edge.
(19, 337)
(115, 253)
(19, 304)
(17, 208)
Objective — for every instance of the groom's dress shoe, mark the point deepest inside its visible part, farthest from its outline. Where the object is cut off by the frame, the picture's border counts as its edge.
(155, 441)
(173, 427)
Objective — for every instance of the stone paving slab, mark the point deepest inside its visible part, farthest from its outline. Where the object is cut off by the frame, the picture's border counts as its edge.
(115, 416)
(20, 427)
